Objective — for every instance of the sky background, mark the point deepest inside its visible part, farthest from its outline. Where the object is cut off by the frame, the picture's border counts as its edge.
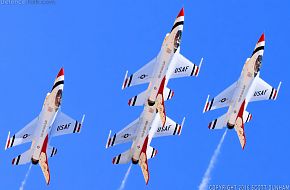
(96, 42)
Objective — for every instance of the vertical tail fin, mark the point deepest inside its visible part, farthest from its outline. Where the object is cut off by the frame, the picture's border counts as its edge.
(160, 102)
(143, 162)
(43, 163)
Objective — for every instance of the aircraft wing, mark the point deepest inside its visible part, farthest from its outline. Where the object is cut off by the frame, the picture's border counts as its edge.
(221, 100)
(125, 135)
(170, 128)
(64, 124)
(185, 68)
(264, 91)
(142, 76)
(25, 135)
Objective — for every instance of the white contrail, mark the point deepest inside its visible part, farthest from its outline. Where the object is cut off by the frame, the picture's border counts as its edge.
(25, 178)
(125, 178)
(207, 175)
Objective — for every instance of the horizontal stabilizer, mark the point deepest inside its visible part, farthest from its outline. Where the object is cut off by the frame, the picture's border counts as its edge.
(218, 123)
(23, 158)
(221, 122)
(140, 99)
(122, 158)
(151, 152)
(247, 117)
(51, 151)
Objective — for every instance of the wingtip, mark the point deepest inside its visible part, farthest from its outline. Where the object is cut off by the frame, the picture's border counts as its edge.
(107, 143)
(7, 141)
(125, 81)
(280, 83)
(60, 73)
(181, 12)
(205, 106)
(83, 119)
(199, 66)
(262, 38)
(183, 120)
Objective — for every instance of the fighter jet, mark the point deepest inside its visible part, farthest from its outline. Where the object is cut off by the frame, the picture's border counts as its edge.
(51, 122)
(169, 63)
(140, 132)
(249, 88)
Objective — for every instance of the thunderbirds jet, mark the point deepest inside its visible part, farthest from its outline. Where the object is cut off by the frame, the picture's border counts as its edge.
(50, 122)
(169, 63)
(249, 88)
(141, 131)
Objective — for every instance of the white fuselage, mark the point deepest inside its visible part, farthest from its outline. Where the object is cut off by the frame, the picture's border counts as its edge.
(245, 88)
(44, 123)
(165, 64)
(147, 127)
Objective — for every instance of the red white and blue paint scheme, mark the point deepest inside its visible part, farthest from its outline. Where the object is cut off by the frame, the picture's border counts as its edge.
(168, 64)
(49, 123)
(249, 88)
(141, 132)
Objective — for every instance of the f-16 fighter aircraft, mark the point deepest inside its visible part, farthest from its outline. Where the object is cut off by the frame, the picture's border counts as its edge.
(169, 63)
(49, 123)
(140, 132)
(249, 88)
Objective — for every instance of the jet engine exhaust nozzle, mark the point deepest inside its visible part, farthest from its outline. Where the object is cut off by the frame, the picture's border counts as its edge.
(135, 161)
(35, 162)
(230, 126)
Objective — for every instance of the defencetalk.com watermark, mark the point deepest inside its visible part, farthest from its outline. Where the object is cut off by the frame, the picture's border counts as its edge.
(27, 2)
(249, 187)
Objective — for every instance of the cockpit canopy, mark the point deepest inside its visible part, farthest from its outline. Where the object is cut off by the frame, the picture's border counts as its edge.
(177, 40)
(258, 64)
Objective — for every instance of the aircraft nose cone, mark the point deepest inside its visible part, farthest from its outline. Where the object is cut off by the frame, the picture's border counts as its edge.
(181, 12)
(262, 38)
(61, 72)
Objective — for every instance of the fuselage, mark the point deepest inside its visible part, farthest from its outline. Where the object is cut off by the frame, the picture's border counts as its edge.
(165, 60)
(145, 130)
(163, 68)
(44, 123)
(244, 90)
(46, 118)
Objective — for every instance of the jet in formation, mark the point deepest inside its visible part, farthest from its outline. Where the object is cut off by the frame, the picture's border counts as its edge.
(153, 121)
(141, 132)
(248, 88)
(168, 64)
(51, 122)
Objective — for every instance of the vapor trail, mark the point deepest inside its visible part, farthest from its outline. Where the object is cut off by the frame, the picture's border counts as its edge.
(125, 178)
(25, 178)
(207, 175)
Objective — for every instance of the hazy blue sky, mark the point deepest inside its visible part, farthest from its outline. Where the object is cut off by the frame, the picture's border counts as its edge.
(96, 42)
